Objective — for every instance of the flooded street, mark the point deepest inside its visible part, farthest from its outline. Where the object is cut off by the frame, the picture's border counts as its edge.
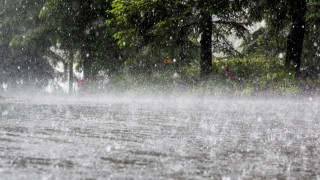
(160, 139)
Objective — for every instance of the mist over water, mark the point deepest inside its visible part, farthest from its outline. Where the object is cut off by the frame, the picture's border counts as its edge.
(158, 137)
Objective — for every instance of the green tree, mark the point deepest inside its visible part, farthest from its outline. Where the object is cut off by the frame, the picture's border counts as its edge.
(164, 23)
(79, 26)
(287, 21)
(295, 39)
(63, 18)
(311, 52)
(22, 43)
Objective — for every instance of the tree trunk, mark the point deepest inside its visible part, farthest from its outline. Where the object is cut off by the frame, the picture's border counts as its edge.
(65, 71)
(296, 35)
(182, 61)
(87, 64)
(71, 72)
(2, 69)
(206, 45)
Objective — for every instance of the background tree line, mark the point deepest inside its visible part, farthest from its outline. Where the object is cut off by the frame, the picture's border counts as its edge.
(137, 35)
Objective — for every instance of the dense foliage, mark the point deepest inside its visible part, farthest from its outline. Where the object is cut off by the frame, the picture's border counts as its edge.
(157, 38)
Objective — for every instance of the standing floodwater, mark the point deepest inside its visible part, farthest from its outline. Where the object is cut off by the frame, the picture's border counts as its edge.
(172, 139)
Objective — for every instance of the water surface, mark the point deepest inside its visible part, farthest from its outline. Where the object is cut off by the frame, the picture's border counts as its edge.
(160, 139)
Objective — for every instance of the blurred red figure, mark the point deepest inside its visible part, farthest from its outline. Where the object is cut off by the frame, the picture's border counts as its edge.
(81, 86)
(228, 74)
(168, 61)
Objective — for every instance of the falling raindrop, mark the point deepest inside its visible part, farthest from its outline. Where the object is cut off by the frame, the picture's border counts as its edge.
(4, 113)
(108, 149)
(281, 55)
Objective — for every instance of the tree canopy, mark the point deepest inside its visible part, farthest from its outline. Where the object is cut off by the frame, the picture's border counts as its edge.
(116, 35)
(23, 43)
(182, 25)
(290, 30)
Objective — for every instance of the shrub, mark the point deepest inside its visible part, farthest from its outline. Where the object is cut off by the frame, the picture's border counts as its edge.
(252, 75)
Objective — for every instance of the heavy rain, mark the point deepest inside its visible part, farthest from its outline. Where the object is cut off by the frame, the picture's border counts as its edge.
(159, 89)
